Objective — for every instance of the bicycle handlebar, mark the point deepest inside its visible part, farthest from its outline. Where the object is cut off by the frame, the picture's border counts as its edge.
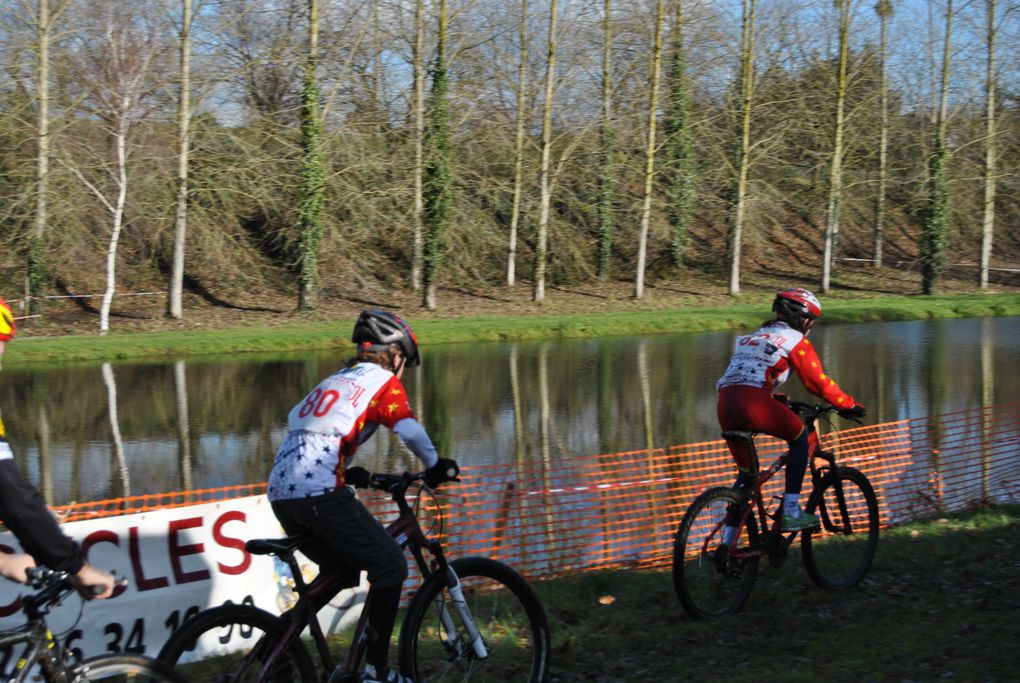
(813, 411)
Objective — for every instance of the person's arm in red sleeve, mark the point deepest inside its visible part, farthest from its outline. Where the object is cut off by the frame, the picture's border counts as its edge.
(389, 407)
(807, 366)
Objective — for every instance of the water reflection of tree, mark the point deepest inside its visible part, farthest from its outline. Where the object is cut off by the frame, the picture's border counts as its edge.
(183, 425)
(121, 484)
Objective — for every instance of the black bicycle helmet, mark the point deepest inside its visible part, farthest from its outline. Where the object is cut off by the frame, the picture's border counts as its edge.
(378, 329)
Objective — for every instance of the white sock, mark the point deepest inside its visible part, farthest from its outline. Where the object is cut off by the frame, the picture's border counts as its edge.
(791, 504)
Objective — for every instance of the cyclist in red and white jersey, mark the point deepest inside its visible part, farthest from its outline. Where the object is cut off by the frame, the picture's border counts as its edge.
(310, 486)
(761, 362)
(24, 512)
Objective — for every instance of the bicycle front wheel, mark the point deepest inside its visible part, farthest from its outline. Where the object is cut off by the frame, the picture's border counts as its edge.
(711, 579)
(230, 644)
(838, 555)
(124, 668)
(436, 642)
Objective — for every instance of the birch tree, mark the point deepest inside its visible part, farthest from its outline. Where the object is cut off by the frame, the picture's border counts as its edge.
(836, 165)
(884, 9)
(176, 285)
(739, 199)
(988, 218)
(542, 242)
(47, 14)
(113, 71)
(519, 137)
(653, 110)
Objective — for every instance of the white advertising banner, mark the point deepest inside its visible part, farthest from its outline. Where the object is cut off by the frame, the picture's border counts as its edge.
(177, 562)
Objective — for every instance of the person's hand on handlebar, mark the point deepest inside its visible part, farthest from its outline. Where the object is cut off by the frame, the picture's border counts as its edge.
(853, 413)
(94, 583)
(357, 476)
(15, 566)
(445, 469)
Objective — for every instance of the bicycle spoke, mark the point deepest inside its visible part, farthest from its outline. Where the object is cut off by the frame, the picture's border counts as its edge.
(841, 554)
(712, 579)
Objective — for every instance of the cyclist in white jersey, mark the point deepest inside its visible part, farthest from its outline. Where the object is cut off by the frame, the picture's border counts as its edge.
(311, 484)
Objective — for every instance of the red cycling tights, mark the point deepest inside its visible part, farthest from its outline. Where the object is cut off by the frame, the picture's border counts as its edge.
(754, 409)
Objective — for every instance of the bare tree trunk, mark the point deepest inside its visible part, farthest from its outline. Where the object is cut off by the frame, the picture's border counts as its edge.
(884, 10)
(419, 141)
(836, 167)
(35, 272)
(933, 238)
(175, 293)
(437, 183)
(522, 110)
(988, 222)
(653, 109)
(541, 248)
(118, 223)
(744, 151)
(605, 171)
(313, 171)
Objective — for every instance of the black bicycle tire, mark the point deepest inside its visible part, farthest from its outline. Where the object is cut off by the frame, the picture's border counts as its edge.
(147, 669)
(682, 573)
(467, 568)
(237, 615)
(813, 564)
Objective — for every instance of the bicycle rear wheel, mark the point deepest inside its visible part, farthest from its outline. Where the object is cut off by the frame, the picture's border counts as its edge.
(839, 554)
(709, 579)
(120, 668)
(229, 644)
(506, 612)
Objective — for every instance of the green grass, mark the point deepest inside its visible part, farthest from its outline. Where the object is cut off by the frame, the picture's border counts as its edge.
(940, 603)
(283, 339)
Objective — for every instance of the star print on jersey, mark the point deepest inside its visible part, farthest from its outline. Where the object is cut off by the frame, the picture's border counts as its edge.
(756, 364)
(325, 427)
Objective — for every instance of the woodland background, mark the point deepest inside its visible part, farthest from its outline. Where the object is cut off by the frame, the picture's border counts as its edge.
(258, 151)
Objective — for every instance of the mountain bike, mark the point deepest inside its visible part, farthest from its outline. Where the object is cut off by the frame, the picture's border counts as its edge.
(472, 618)
(44, 655)
(712, 579)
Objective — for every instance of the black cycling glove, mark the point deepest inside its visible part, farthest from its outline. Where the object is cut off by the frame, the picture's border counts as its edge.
(445, 469)
(357, 477)
(857, 411)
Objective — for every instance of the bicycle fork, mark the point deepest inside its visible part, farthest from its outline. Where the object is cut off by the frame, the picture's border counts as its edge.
(474, 636)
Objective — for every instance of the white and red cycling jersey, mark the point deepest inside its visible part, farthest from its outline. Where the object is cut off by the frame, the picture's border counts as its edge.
(763, 359)
(325, 429)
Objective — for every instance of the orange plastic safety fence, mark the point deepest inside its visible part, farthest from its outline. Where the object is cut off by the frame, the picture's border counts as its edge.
(556, 516)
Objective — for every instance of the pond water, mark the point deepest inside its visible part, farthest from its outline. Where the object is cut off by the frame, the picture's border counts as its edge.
(100, 431)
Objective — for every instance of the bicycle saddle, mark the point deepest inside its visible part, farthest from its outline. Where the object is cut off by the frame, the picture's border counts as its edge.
(739, 435)
(280, 547)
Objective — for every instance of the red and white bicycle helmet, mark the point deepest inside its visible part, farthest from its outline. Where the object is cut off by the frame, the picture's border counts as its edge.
(797, 306)
(7, 326)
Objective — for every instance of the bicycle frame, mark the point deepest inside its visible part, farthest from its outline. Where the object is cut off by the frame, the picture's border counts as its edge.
(41, 648)
(772, 534)
(408, 534)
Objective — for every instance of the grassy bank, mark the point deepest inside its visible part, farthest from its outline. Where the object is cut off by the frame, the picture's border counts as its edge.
(939, 604)
(298, 336)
